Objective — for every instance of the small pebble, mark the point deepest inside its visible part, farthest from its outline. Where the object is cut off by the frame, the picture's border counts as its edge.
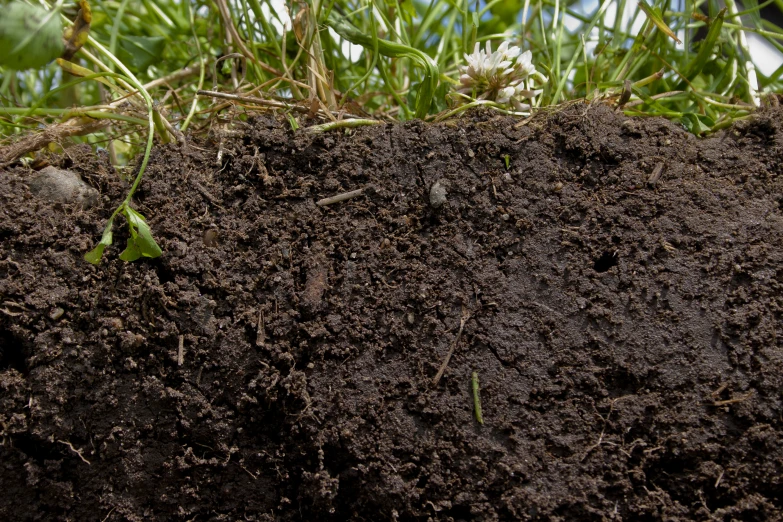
(437, 195)
(56, 313)
(210, 238)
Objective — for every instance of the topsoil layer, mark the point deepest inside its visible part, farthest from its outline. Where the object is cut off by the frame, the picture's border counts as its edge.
(616, 285)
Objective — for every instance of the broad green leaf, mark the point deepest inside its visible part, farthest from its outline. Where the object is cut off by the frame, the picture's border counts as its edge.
(696, 123)
(145, 241)
(30, 36)
(94, 256)
(131, 252)
(140, 242)
(141, 51)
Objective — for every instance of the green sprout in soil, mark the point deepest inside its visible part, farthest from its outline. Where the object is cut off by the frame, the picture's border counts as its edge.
(474, 385)
(134, 72)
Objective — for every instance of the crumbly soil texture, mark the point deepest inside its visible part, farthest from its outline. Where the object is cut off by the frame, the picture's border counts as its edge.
(608, 289)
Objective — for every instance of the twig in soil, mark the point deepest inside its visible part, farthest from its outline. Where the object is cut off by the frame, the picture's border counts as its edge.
(181, 351)
(108, 515)
(474, 382)
(735, 400)
(255, 477)
(717, 392)
(656, 175)
(345, 196)
(342, 124)
(14, 305)
(204, 192)
(78, 452)
(445, 363)
(260, 329)
(720, 477)
(53, 133)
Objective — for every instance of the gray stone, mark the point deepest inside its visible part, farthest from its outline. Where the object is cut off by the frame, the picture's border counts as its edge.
(63, 186)
(437, 195)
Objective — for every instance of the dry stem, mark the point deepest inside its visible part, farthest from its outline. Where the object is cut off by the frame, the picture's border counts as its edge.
(445, 363)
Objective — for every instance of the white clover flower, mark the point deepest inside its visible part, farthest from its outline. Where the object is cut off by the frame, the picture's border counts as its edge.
(498, 76)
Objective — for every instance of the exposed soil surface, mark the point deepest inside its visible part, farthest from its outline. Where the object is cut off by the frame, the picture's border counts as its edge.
(277, 362)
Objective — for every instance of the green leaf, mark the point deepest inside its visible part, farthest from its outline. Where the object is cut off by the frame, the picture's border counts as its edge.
(94, 256)
(140, 242)
(506, 10)
(428, 84)
(292, 122)
(439, 103)
(131, 252)
(654, 16)
(141, 51)
(753, 11)
(697, 123)
(407, 11)
(30, 36)
(696, 65)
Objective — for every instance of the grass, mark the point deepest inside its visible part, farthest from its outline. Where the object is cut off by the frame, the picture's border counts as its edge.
(154, 69)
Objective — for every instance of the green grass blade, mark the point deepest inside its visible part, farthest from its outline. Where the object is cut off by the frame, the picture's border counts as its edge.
(695, 67)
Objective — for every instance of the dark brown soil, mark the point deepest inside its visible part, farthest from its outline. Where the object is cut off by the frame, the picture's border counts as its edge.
(627, 334)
